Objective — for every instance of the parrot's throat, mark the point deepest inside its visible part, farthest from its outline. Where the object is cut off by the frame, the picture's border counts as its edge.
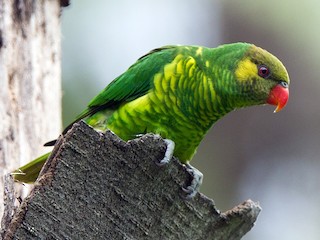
(219, 108)
(209, 106)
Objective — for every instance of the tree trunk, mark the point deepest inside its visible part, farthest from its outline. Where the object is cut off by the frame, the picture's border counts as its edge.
(30, 80)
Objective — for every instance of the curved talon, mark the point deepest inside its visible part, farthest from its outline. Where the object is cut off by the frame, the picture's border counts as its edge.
(168, 154)
(191, 190)
(160, 163)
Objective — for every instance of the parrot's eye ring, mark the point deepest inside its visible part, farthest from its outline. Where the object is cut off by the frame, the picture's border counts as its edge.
(263, 71)
(284, 84)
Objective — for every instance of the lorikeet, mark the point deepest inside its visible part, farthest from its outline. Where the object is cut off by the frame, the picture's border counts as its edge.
(179, 92)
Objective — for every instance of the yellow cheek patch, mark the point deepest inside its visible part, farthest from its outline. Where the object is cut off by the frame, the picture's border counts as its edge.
(245, 70)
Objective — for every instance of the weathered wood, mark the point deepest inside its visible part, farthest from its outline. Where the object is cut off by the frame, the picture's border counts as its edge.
(30, 92)
(96, 186)
(9, 203)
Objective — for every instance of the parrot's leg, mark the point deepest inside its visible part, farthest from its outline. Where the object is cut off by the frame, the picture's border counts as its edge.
(168, 154)
(196, 182)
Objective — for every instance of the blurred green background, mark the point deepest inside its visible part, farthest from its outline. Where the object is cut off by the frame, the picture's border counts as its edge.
(251, 153)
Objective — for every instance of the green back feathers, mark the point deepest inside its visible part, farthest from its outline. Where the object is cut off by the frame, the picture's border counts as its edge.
(133, 83)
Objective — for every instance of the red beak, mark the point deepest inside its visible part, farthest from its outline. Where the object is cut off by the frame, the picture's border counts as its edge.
(278, 96)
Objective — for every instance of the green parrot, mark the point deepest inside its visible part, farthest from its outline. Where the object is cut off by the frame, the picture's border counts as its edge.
(179, 92)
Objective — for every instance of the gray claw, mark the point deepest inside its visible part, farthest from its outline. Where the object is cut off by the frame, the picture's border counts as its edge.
(191, 190)
(168, 154)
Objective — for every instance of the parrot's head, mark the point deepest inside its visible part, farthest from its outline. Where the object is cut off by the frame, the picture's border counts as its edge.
(261, 78)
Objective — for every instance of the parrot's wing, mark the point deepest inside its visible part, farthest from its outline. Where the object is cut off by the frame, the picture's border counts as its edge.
(133, 83)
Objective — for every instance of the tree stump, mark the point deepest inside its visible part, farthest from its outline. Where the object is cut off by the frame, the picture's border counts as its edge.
(96, 186)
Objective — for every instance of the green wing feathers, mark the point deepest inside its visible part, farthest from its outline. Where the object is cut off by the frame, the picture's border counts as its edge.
(133, 83)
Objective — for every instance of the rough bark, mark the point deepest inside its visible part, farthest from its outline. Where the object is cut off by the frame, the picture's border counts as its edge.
(30, 92)
(96, 186)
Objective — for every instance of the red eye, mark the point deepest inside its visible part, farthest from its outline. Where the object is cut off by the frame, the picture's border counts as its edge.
(263, 71)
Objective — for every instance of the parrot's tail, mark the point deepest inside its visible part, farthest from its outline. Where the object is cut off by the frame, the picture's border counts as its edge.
(29, 172)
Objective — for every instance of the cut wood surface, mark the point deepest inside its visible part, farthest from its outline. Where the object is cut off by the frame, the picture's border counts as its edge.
(96, 186)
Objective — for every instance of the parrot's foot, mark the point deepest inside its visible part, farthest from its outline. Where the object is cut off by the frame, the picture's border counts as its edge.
(168, 154)
(191, 190)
